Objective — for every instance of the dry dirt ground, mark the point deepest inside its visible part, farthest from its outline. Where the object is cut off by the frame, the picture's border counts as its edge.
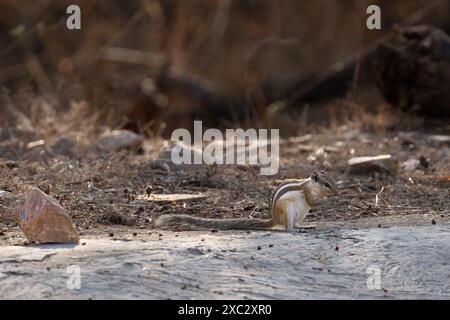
(104, 192)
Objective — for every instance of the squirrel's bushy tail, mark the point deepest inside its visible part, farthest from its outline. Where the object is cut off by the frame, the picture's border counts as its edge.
(185, 222)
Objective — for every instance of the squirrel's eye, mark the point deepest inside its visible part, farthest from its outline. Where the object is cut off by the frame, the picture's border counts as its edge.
(327, 185)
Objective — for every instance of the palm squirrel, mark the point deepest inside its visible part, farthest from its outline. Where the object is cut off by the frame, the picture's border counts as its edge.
(289, 206)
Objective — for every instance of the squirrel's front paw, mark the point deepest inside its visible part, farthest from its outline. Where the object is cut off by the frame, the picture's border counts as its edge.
(305, 228)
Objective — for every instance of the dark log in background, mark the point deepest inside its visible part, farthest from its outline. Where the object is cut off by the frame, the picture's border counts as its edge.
(412, 70)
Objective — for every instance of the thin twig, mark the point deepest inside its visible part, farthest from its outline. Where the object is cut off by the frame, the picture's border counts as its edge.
(377, 197)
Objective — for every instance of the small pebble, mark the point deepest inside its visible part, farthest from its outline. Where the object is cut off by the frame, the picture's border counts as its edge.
(433, 222)
(134, 234)
(111, 234)
(259, 248)
(337, 248)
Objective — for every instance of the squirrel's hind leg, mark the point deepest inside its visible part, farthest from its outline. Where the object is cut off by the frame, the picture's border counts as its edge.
(290, 217)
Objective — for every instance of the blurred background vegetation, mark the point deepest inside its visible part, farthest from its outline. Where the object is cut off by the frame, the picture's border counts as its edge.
(154, 65)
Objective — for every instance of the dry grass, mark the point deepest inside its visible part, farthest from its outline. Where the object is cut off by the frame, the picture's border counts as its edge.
(247, 50)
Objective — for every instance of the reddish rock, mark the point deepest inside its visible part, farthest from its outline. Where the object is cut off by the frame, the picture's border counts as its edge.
(44, 220)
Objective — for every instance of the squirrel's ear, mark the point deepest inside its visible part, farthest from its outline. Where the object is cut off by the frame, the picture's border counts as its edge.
(314, 176)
